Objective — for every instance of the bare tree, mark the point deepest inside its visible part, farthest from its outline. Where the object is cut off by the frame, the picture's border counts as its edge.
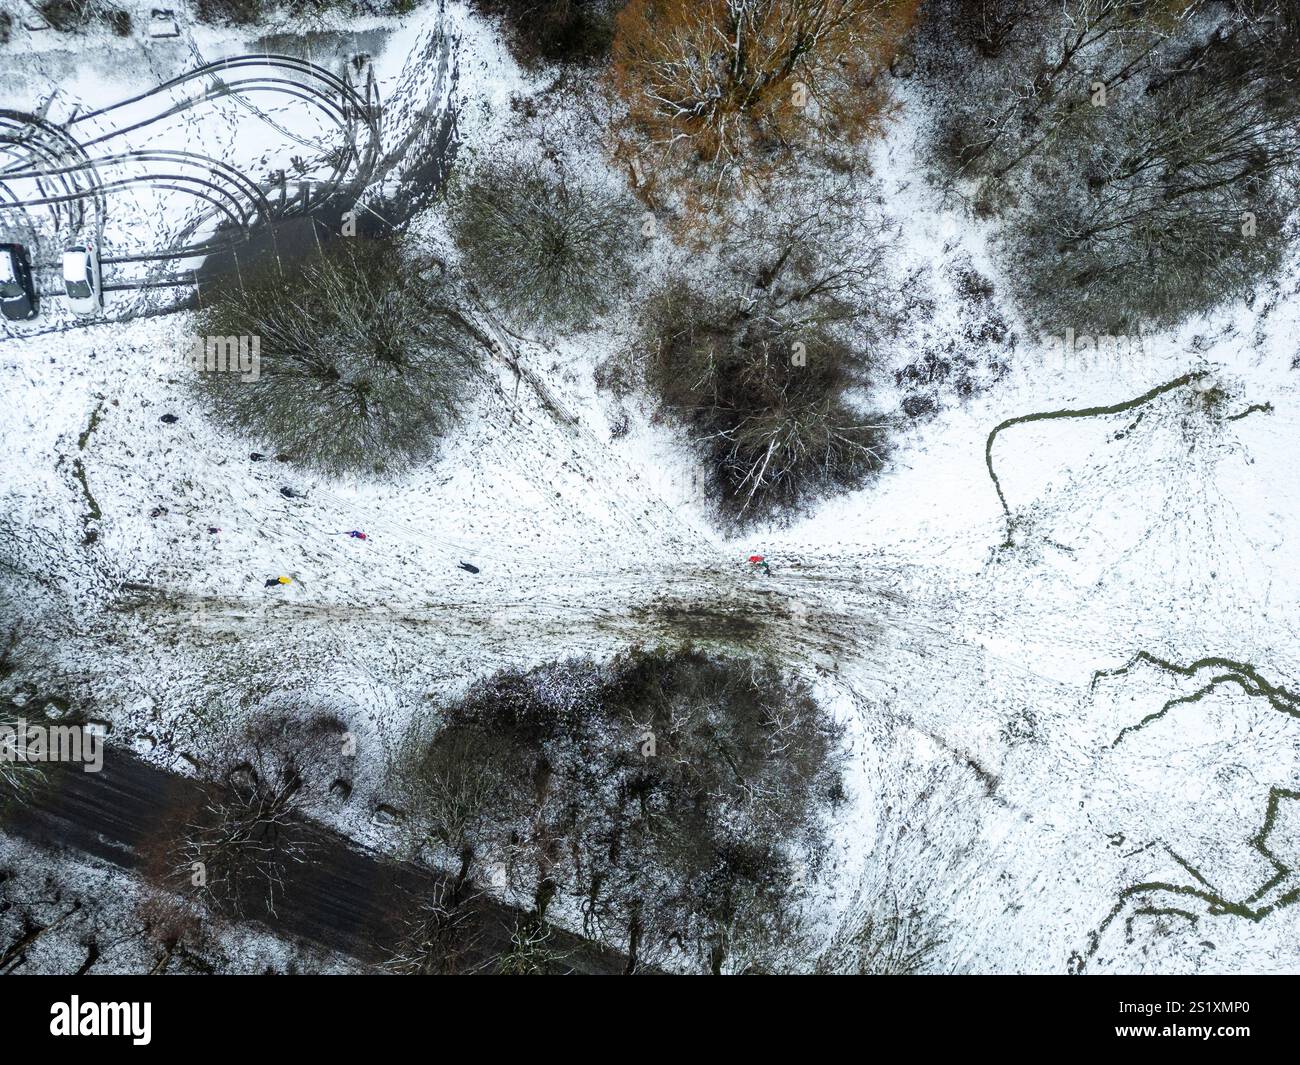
(547, 248)
(364, 355)
(1141, 156)
(763, 390)
(236, 848)
(1171, 201)
(455, 784)
(439, 933)
(1046, 82)
(764, 348)
(667, 795)
(719, 92)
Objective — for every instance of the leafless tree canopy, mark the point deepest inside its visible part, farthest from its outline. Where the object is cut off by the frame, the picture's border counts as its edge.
(1143, 156)
(439, 932)
(767, 359)
(720, 91)
(766, 400)
(236, 847)
(260, 783)
(668, 795)
(365, 356)
(544, 246)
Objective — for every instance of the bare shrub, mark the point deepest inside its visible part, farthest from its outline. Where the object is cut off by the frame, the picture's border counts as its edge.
(668, 795)
(765, 398)
(544, 246)
(174, 925)
(365, 356)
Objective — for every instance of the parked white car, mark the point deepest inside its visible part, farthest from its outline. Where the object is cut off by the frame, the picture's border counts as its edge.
(81, 279)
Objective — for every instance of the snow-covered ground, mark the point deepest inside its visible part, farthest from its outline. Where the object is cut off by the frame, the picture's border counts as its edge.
(1050, 808)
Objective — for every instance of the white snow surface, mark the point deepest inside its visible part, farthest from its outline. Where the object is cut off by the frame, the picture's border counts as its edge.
(997, 782)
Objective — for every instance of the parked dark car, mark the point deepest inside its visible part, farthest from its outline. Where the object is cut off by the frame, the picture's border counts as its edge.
(17, 291)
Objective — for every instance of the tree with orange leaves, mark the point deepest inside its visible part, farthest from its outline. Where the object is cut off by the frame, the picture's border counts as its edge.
(723, 90)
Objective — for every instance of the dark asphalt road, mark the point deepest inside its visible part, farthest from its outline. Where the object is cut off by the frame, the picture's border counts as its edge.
(346, 899)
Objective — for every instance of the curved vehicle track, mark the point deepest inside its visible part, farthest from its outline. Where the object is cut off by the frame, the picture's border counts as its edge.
(64, 179)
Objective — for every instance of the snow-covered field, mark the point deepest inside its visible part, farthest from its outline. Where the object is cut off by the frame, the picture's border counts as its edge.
(1075, 724)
